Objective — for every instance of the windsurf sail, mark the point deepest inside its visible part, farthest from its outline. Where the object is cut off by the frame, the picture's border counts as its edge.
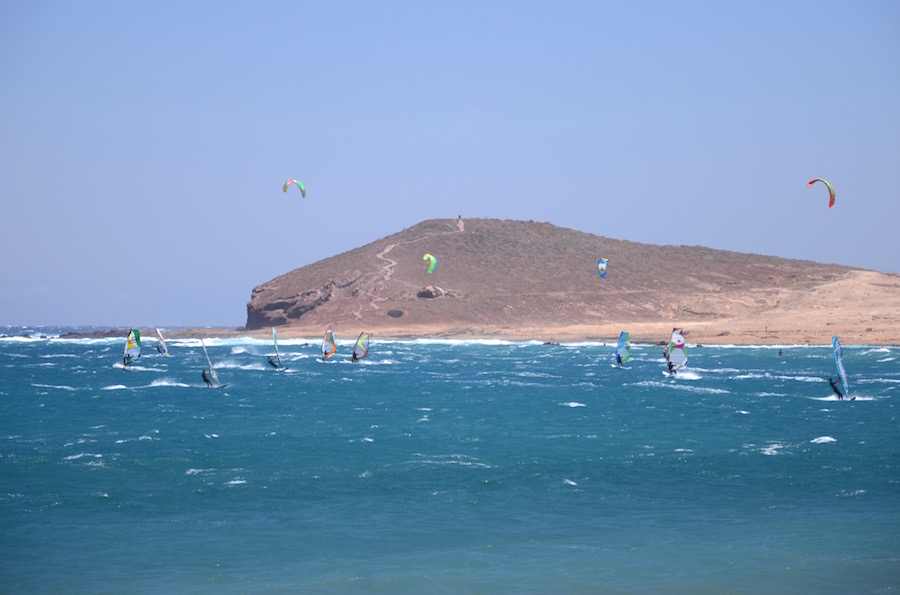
(133, 346)
(839, 362)
(277, 355)
(212, 372)
(161, 343)
(361, 349)
(677, 353)
(329, 347)
(623, 349)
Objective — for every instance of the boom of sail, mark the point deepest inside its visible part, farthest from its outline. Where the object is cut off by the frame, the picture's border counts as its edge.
(839, 362)
(676, 350)
(329, 347)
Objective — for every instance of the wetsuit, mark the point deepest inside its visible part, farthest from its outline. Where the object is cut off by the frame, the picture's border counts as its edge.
(836, 390)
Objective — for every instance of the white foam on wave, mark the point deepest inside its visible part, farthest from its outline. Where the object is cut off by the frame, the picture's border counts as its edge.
(198, 471)
(800, 378)
(823, 440)
(772, 449)
(236, 482)
(57, 386)
(233, 365)
(167, 382)
(569, 482)
(573, 404)
(82, 455)
(115, 387)
(460, 460)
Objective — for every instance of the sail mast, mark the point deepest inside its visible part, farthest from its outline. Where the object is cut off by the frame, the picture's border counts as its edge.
(277, 355)
(212, 372)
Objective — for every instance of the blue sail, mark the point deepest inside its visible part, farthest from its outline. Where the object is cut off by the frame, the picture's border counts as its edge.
(623, 349)
(839, 362)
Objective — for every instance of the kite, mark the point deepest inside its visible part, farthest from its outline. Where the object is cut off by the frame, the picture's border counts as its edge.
(601, 266)
(299, 185)
(830, 190)
(432, 262)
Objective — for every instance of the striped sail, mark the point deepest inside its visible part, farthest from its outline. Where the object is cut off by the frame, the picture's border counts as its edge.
(361, 348)
(329, 347)
(133, 345)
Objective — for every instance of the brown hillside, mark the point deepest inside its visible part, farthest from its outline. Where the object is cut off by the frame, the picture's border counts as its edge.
(534, 280)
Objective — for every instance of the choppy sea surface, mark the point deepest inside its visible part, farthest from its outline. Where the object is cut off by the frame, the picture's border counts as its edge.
(437, 466)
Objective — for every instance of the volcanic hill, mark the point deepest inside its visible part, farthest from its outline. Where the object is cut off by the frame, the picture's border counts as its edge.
(528, 280)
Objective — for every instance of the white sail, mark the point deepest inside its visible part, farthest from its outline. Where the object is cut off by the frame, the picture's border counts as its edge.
(161, 344)
(677, 353)
(277, 355)
(212, 372)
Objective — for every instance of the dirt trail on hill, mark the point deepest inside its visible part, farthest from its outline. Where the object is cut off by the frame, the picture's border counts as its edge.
(387, 270)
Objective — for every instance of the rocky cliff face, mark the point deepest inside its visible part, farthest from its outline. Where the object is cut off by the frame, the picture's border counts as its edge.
(516, 273)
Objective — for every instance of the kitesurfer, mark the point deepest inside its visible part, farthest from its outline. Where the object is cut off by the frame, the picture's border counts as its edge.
(273, 362)
(836, 390)
(206, 378)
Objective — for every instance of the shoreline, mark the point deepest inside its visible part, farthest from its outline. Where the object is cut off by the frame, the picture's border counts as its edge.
(732, 332)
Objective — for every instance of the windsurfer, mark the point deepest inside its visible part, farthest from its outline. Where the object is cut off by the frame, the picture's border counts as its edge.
(836, 390)
(619, 359)
(671, 366)
(355, 357)
(273, 362)
(126, 361)
(206, 378)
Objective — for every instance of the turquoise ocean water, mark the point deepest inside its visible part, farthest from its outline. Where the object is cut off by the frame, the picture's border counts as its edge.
(446, 467)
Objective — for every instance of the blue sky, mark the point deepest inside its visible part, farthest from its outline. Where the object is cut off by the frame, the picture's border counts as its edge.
(143, 146)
